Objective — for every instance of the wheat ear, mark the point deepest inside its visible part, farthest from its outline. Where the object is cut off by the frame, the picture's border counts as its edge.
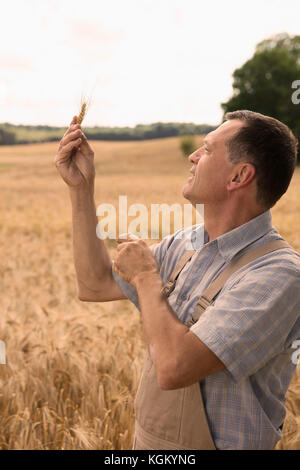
(81, 114)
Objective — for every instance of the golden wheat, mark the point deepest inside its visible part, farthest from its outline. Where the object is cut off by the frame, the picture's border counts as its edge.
(73, 367)
(82, 113)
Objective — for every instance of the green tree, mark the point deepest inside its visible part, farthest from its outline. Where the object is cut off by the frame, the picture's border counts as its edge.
(187, 144)
(6, 137)
(264, 83)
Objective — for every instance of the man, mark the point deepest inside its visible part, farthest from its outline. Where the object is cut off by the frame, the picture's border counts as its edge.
(221, 382)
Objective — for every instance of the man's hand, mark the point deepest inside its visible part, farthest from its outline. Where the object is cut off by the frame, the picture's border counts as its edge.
(133, 259)
(75, 158)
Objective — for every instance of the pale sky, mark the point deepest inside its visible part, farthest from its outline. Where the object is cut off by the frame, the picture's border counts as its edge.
(143, 60)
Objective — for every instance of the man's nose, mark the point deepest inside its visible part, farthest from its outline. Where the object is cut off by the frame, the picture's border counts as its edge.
(194, 157)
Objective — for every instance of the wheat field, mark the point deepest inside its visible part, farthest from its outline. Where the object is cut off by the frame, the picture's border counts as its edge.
(73, 367)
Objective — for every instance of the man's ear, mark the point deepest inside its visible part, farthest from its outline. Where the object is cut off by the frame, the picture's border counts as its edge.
(243, 174)
(236, 178)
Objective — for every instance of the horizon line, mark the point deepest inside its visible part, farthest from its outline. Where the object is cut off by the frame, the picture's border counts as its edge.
(111, 126)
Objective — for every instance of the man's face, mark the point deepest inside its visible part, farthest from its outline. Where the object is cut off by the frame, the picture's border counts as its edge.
(211, 166)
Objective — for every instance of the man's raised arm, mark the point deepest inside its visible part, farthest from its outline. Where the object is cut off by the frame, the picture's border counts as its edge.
(75, 163)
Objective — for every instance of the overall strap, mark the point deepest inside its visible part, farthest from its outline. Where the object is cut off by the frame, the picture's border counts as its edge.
(214, 288)
(169, 286)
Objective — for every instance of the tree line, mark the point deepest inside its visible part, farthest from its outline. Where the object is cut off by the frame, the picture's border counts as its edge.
(7, 137)
(21, 134)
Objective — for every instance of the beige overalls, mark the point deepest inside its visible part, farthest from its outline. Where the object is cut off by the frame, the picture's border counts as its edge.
(176, 419)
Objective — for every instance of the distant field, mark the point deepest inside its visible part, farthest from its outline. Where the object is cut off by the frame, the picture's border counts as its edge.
(25, 134)
(73, 367)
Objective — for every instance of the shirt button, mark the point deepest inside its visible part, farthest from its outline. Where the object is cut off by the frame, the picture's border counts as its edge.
(185, 297)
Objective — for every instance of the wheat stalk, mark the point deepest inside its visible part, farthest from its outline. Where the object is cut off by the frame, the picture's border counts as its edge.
(85, 104)
(82, 113)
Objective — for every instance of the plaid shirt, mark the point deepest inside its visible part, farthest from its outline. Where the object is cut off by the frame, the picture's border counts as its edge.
(251, 327)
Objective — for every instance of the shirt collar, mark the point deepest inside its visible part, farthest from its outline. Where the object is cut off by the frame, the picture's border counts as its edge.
(230, 243)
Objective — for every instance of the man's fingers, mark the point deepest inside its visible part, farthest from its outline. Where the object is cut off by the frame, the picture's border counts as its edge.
(121, 246)
(73, 134)
(66, 149)
(127, 237)
(85, 145)
(76, 134)
(86, 148)
(72, 127)
(122, 241)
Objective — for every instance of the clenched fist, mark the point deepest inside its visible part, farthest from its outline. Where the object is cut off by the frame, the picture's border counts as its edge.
(134, 258)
